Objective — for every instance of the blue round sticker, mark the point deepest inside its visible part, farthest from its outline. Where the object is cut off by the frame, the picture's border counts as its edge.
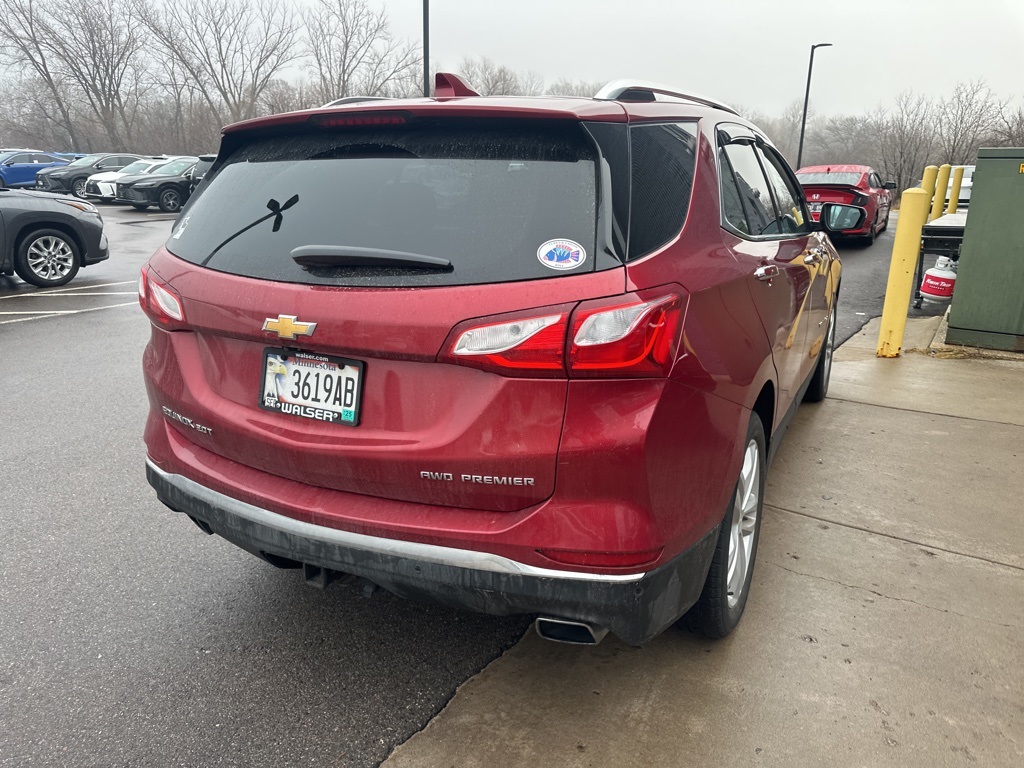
(561, 254)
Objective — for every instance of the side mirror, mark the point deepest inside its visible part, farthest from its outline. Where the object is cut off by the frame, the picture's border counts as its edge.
(839, 218)
(890, 185)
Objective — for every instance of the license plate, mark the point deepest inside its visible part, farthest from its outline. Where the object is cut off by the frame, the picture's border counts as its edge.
(815, 207)
(312, 386)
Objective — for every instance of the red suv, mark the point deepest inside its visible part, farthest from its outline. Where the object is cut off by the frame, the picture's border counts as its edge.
(516, 355)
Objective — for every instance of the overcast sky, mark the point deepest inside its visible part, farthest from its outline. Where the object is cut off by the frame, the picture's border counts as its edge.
(751, 53)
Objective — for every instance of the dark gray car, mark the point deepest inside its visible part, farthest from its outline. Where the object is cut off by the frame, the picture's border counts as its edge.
(46, 238)
(71, 178)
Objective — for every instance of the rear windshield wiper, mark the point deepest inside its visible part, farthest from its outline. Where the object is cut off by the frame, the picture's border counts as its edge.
(354, 256)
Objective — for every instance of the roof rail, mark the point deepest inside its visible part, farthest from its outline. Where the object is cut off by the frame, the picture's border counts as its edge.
(634, 90)
(353, 100)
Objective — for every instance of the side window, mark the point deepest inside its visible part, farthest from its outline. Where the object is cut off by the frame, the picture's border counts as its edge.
(874, 181)
(663, 160)
(21, 159)
(732, 206)
(791, 210)
(44, 159)
(754, 193)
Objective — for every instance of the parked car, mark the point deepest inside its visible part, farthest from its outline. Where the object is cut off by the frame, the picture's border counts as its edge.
(198, 172)
(72, 178)
(168, 186)
(18, 167)
(517, 355)
(46, 239)
(858, 185)
(103, 186)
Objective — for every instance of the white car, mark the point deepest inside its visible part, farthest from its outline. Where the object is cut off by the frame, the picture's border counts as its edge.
(964, 198)
(104, 185)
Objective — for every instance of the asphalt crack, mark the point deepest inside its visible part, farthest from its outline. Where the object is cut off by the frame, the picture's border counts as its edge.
(895, 599)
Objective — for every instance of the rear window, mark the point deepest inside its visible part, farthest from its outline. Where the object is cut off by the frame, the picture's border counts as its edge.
(849, 179)
(499, 200)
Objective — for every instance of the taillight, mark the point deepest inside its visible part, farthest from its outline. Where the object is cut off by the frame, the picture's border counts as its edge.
(525, 344)
(159, 302)
(632, 335)
(626, 336)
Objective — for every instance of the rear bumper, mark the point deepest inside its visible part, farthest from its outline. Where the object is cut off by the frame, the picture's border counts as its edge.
(635, 607)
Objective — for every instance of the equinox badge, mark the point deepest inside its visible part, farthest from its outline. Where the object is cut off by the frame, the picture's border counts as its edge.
(288, 326)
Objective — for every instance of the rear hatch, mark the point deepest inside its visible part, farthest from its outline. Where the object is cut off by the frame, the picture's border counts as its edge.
(323, 271)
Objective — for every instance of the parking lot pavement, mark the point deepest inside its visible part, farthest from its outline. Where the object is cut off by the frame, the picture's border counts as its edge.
(71, 299)
(884, 622)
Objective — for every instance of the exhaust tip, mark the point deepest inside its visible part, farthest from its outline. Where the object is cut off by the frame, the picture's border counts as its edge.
(571, 632)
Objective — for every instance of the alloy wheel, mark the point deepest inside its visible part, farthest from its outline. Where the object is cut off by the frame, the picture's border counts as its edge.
(743, 523)
(50, 258)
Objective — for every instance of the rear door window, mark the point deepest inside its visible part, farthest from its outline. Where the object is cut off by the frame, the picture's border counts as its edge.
(663, 160)
(499, 200)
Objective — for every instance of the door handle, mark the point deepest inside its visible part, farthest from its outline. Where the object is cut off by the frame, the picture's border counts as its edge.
(766, 273)
(814, 256)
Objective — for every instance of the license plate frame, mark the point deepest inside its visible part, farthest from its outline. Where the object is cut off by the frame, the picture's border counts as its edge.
(309, 408)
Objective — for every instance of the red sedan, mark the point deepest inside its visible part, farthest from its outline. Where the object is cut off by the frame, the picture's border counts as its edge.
(858, 185)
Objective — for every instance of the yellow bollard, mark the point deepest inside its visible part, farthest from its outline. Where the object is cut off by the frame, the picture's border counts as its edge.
(954, 192)
(928, 181)
(913, 215)
(941, 185)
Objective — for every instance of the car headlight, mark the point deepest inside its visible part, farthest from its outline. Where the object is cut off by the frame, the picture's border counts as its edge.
(145, 185)
(58, 175)
(82, 206)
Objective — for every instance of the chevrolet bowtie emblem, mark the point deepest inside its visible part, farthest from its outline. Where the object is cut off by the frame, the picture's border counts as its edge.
(288, 326)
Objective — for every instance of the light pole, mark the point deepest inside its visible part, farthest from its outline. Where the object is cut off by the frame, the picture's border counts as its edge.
(807, 96)
(426, 49)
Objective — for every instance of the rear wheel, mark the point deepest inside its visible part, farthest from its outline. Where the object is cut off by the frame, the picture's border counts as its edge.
(721, 603)
(869, 239)
(47, 258)
(78, 188)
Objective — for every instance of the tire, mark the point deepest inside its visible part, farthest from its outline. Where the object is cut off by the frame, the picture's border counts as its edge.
(818, 387)
(869, 239)
(139, 206)
(720, 606)
(47, 258)
(78, 188)
(170, 200)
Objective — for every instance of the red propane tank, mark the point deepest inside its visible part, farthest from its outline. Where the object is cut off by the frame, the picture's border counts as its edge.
(939, 281)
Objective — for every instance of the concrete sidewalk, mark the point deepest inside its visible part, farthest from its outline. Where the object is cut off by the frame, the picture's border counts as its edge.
(886, 622)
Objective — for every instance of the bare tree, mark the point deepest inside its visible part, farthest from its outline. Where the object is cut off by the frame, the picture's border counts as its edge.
(1009, 130)
(490, 79)
(100, 57)
(565, 87)
(907, 139)
(964, 120)
(22, 35)
(229, 49)
(353, 53)
(844, 139)
(784, 131)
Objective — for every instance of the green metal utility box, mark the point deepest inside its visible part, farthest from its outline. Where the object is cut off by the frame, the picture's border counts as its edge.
(988, 302)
